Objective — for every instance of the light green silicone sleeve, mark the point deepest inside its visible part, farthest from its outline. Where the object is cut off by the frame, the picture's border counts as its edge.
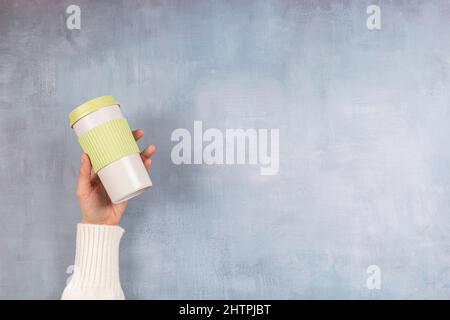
(108, 142)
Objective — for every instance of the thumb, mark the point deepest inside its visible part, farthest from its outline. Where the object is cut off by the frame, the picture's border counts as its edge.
(84, 177)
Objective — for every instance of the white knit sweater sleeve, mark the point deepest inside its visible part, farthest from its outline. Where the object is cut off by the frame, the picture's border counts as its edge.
(96, 270)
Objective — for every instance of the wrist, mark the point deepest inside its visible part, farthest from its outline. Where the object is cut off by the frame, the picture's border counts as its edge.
(100, 222)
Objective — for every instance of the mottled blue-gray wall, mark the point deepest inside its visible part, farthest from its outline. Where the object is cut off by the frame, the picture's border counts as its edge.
(364, 119)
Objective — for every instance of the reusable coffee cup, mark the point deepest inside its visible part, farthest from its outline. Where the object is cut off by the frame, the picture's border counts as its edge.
(104, 134)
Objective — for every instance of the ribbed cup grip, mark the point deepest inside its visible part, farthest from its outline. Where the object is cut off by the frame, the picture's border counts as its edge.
(108, 142)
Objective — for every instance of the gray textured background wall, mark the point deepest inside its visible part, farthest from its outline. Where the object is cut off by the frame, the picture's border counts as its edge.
(364, 120)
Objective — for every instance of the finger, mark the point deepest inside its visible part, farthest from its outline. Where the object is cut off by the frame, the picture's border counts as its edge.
(147, 163)
(148, 151)
(84, 176)
(138, 133)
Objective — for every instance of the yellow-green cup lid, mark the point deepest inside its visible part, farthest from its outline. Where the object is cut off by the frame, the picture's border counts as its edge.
(91, 106)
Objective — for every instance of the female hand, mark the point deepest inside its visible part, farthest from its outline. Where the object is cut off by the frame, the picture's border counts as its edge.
(95, 204)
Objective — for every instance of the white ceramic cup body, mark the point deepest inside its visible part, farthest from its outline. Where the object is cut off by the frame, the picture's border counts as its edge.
(124, 178)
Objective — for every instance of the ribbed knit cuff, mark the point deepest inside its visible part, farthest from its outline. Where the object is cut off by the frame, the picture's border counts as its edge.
(97, 260)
